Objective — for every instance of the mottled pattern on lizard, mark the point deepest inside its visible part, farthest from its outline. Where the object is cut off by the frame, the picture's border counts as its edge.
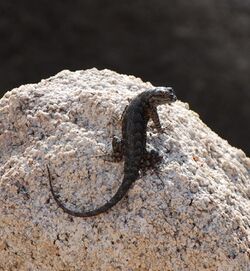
(132, 146)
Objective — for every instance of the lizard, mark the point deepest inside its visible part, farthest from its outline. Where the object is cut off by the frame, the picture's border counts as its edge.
(132, 145)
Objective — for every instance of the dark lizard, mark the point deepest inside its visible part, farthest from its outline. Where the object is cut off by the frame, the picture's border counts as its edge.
(132, 146)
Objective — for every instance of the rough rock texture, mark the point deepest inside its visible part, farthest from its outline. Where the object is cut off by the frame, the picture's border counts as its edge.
(196, 218)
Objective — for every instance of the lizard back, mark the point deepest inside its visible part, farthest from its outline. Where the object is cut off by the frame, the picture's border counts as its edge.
(133, 143)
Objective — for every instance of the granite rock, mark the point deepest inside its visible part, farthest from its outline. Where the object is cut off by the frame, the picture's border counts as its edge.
(192, 214)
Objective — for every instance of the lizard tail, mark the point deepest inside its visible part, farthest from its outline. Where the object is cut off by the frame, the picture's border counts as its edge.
(122, 190)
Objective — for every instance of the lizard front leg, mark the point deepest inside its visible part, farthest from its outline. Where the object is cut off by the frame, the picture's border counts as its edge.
(153, 114)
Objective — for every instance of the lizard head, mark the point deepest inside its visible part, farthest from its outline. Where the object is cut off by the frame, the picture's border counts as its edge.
(162, 95)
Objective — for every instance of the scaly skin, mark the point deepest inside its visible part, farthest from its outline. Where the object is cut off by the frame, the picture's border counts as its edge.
(132, 146)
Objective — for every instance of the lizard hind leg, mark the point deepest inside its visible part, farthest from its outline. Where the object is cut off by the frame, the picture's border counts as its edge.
(117, 149)
(149, 160)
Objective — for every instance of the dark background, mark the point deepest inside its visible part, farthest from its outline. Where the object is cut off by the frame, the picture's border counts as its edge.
(200, 47)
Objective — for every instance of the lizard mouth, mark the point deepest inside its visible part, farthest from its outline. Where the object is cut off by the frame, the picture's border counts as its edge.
(173, 98)
(170, 98)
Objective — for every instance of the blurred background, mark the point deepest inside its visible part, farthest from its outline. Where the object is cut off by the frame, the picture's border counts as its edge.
(200, 47)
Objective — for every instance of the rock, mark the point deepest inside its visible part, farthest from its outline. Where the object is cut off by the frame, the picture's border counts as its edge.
(193, 214)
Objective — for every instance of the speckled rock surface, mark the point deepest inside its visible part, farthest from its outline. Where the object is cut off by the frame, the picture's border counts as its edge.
(197, 217)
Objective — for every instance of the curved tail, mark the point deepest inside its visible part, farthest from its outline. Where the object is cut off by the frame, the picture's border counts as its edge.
(122, 190)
